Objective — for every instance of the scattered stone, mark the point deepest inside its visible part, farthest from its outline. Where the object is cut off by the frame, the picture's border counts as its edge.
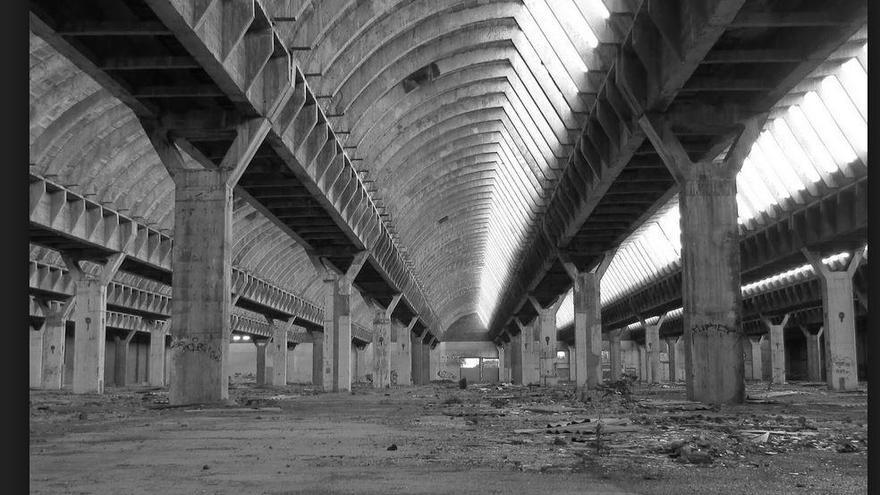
(83, 416)
(392, 447)
(205, 467)
(559, 441)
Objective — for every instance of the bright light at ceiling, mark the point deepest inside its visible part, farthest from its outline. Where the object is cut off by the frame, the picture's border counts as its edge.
(236, 337)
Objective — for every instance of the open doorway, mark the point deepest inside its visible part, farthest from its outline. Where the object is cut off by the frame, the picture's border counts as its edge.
(479, 369)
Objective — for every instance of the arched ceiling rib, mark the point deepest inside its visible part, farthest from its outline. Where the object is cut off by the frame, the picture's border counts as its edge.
(462, 112)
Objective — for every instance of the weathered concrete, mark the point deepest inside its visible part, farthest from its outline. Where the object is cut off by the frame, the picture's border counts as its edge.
(546, 345)
(318, 360)
(671, 351)
(614, 355)
(766, 369)
(156, 368)
(53, 340)
(90, 324)
(262, 346)
(381, 349)
(336, 353)
(814, 353)
(401, 352)
(200, 308)
(643, 363)
(278, 349)
(777, 349)
(652, 348)
(122, 353)
(587, 321)
(516, 356)
(35, 357)
(841, 362)
(710, 260)
(503, 370)
(530, 371)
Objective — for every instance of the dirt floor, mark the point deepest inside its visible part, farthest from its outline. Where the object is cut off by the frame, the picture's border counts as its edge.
(442, 439)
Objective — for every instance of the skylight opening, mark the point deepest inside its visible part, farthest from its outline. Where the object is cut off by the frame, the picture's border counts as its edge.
(558, 40)
(827, 130)
(855, 81)
(789, 145)
(847, 117)
(819, 153)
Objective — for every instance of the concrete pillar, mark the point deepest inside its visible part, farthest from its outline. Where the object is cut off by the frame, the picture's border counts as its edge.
(546, 348)
(652, 348)
(777, 349)
(530, 350)
(671, 343)
(502, 369)
(278, 349)
(90, 323)
(766, 369)
(711, 286)
(587, 321)
(156, 367)
(381, 349)
(318, 360)
(53, 340)
(35, 355)
(614, 355)
(814, 353)
(401, 355)
(121, 362)
(336, 353)
(841, 363)
(643, 363)
(516, 354)
(572, 364)
(200, 308)
(710, 260)
(415, 356)
(262, 346)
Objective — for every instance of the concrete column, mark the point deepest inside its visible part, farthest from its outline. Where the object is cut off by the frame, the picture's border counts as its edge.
(502, 369)
(381, 349)
(814, 354)
(318, 360)
(53, 339)
(530, 350)
(671, 343)
(614, 354)
(336, 354)
(35, 355)
(401, 355)
(120, 367)
(777, 349)
(546, 348)
(278, 349)
(200, 309)
(416, 357)
(643, 363)
(711, 286)
(710, 260)
(587, 321)
(262, 346)
(156, 367)
(766, 369)
(652, 347)
(757, 358)
(516, 355)
(572, 364)
(841, 362)
(90, 323)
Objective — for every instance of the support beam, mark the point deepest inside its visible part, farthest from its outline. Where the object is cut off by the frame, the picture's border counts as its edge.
(35, 355)
(546, 348)
(90, 323)
(777, 348)
(55, 313)
(838, 321)
(814, 353)
(710, 256)
(587, 320)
